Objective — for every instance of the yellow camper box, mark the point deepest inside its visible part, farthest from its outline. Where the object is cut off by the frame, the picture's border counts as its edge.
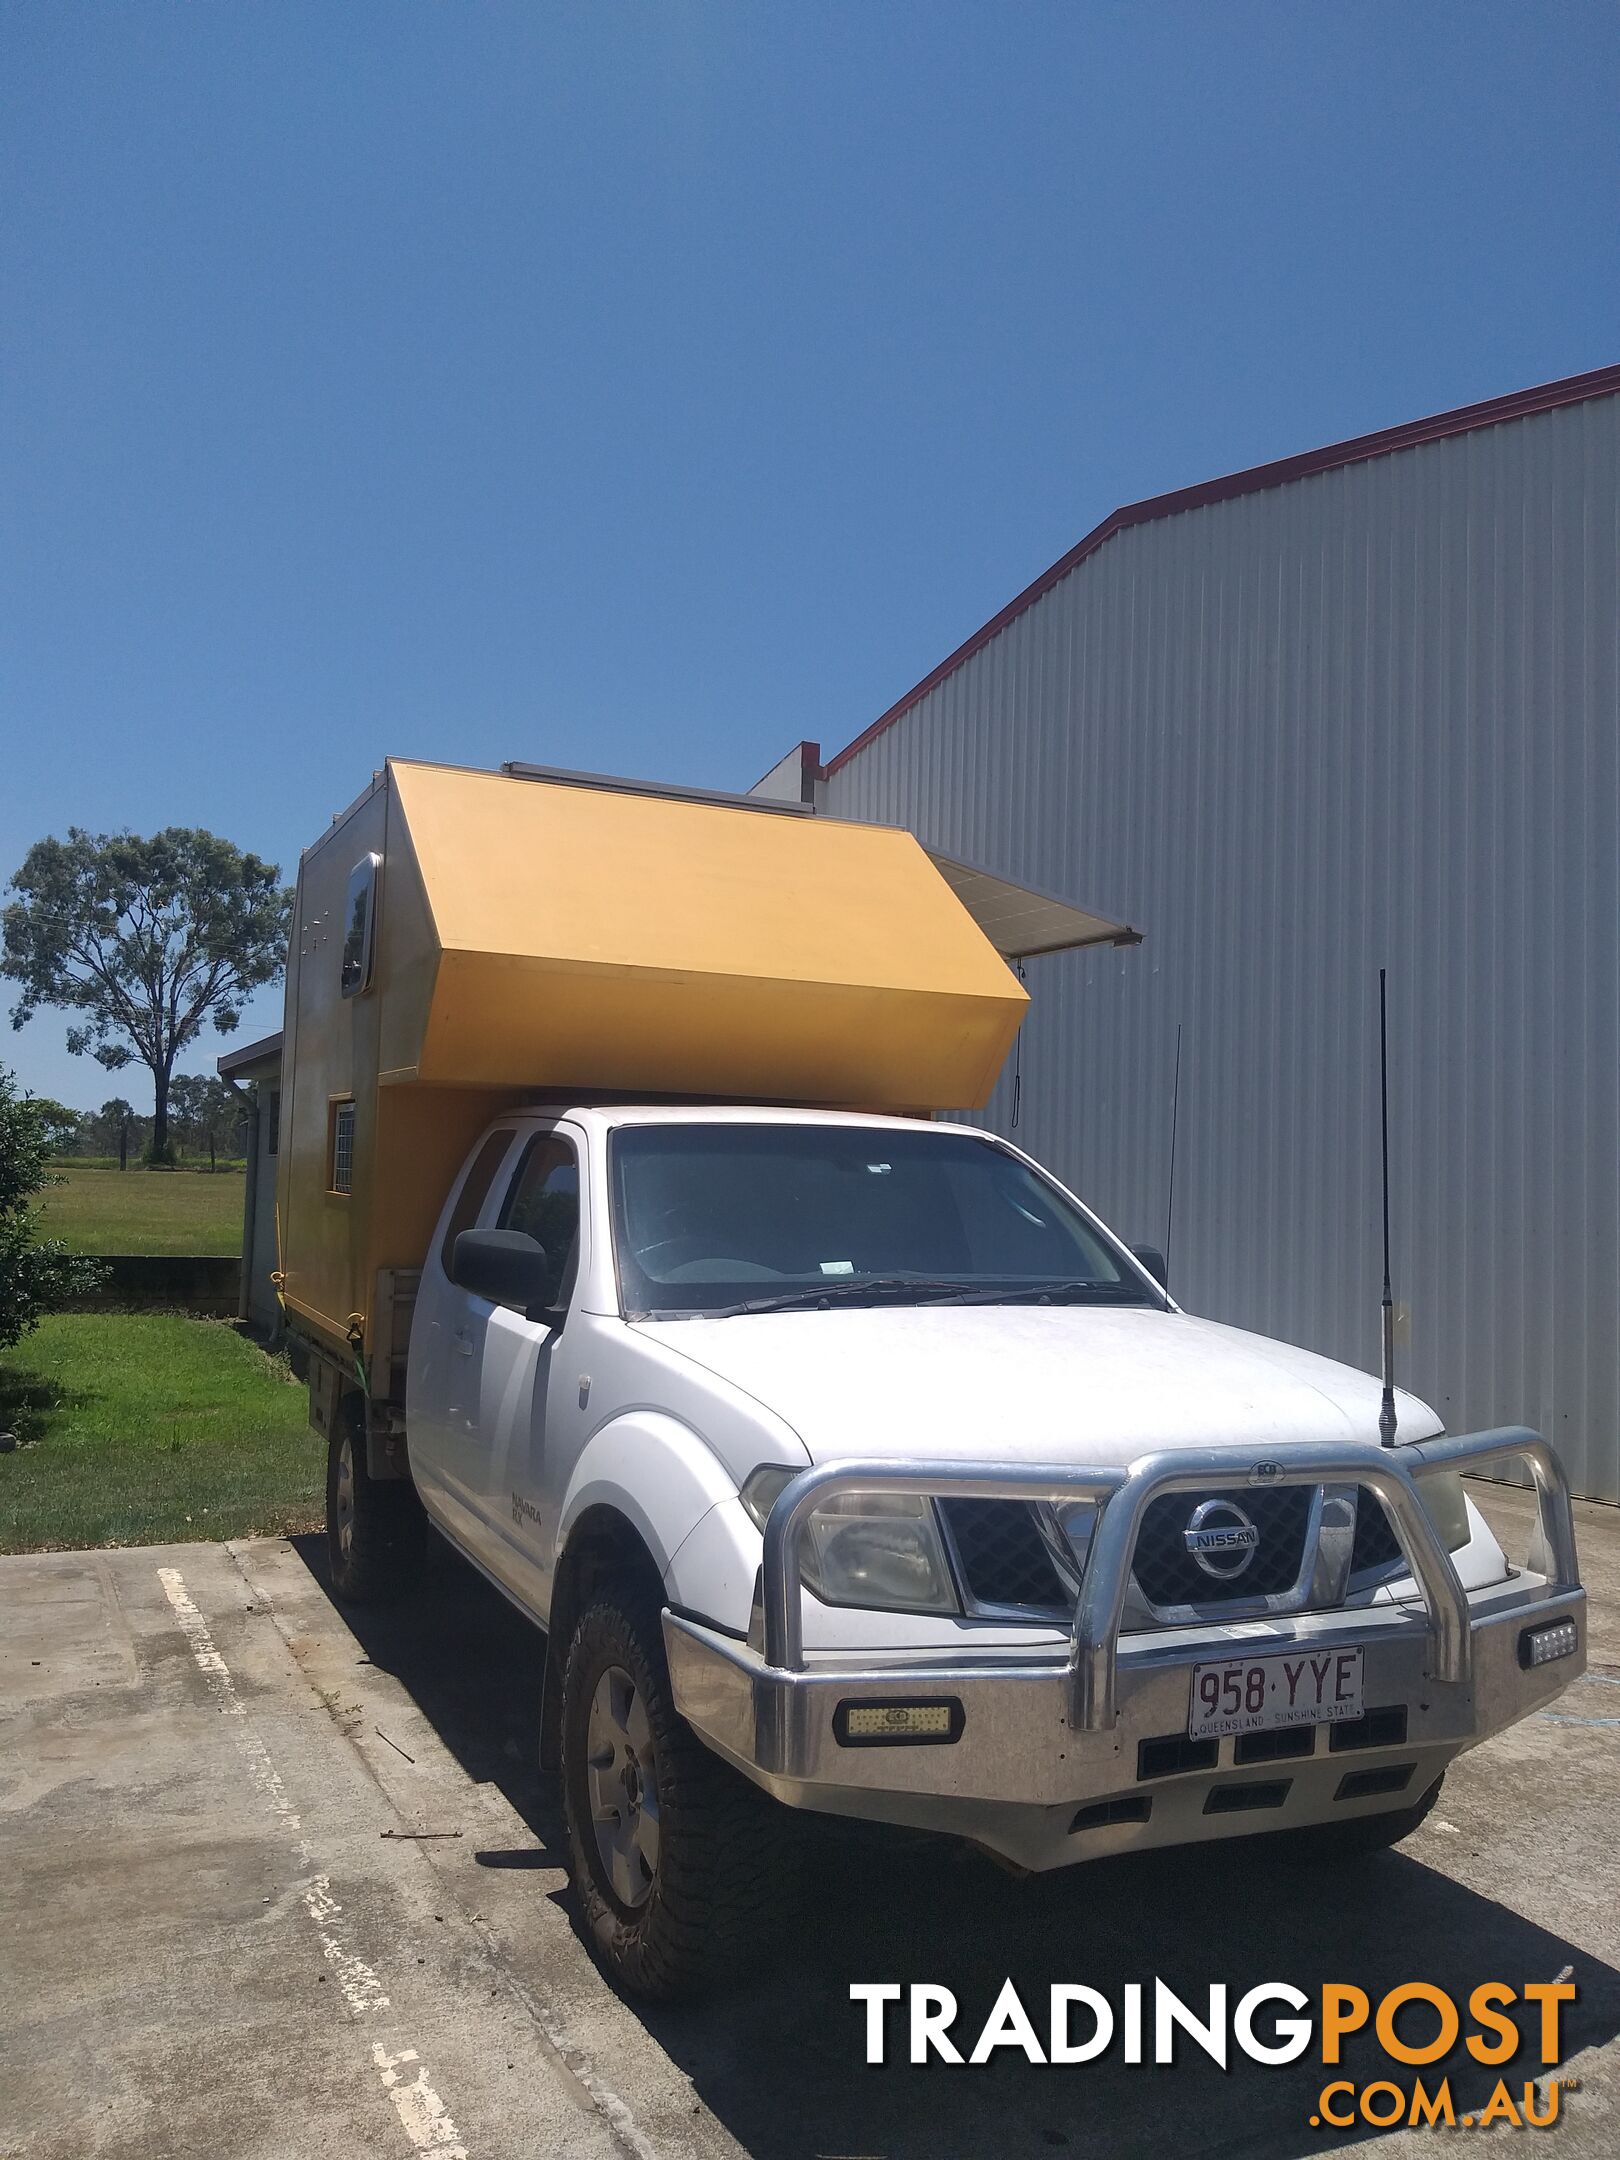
(469, 940)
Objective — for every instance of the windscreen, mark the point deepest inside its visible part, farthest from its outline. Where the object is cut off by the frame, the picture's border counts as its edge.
(758, 1217)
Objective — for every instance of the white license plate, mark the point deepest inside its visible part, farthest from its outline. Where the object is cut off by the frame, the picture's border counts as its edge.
(1255, 1694)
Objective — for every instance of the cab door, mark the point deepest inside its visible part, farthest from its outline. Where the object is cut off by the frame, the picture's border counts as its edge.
(442, 1381)
(529, 1387)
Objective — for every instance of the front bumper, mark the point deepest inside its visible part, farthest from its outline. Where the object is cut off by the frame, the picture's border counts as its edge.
(1071, 1755)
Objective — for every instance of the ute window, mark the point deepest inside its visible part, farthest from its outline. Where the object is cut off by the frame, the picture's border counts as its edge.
(543, 1202)
(474, 1189)
(738, 1217)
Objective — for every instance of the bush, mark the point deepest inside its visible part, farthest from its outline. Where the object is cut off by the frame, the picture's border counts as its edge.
(36, 1273)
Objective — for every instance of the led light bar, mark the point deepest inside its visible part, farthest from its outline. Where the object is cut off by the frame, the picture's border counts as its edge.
(1540, 1645)
(936, 1722)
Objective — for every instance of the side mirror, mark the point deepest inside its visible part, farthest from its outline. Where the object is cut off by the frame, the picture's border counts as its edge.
(1150, 1257)
(506, 1266)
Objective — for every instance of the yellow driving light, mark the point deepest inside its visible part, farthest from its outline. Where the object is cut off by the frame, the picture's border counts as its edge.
(898, 1724)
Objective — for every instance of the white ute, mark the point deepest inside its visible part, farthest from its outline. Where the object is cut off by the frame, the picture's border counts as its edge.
(851, 1464)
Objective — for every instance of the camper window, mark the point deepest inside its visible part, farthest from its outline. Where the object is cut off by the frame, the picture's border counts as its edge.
(359, 910)
(341, 1176)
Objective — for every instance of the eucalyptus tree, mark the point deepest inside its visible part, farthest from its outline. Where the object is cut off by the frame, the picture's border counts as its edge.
(146, 942)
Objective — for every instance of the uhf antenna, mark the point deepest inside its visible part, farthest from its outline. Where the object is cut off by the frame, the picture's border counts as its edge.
(1018, 1060)
(1170, 1203)
(1386, 1414)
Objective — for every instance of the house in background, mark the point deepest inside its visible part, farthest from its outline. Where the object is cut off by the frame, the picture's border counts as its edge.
(1360, 708)
(255, 1072)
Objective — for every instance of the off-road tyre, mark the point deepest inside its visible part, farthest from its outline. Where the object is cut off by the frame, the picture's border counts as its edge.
(1358, 1837)
(375, 1528)
(725, 1849)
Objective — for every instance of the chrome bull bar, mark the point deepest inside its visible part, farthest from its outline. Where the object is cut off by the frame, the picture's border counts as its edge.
(1123, 1494)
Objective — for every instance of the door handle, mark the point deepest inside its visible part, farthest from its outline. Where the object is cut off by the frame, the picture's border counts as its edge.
(463, 1341)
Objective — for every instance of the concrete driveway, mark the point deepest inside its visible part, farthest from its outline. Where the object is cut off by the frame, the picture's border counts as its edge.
(275, 1881)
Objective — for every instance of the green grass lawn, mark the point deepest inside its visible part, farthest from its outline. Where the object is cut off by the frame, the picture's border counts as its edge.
(146, 1211)
(147, 1429)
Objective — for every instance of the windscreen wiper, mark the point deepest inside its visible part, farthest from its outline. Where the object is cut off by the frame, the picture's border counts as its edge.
(1055, 1293)
(879, 1288)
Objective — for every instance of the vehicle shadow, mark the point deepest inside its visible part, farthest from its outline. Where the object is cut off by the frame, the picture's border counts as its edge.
(780, 2060)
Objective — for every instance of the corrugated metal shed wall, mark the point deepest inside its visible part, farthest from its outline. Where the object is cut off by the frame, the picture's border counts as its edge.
(1370, 717)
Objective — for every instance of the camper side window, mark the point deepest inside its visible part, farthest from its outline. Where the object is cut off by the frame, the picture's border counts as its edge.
(359, 913)
(341, 1145)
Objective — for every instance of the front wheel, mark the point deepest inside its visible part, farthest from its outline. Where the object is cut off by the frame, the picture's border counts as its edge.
(676, 1859)
(373, 1525)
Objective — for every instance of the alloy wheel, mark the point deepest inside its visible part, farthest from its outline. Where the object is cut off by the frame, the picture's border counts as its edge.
(621, 1774)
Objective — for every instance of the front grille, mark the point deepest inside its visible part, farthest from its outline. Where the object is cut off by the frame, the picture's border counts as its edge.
(1173, 1755)
(1004, 1560)
(1244, 1799)
(1384, 1727)
(1284, 1746)
(1169, 1575)
(1132, 1807)
(1376, 1544)
(1363, 1784)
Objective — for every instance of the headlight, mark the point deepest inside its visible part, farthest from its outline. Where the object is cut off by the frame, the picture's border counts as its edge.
(880, 1550)
(1446, 1505)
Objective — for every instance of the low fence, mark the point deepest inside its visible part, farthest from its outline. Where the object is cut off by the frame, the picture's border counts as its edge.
(204, 1283)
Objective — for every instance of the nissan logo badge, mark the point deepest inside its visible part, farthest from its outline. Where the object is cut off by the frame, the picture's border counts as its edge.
(1221, 1538)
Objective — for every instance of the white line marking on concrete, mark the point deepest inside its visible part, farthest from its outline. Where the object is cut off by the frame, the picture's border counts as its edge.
(195, 1629)
(422, 2113)
(570, 2055)
(266, 1779)
(425, 2116)
(362, 1990)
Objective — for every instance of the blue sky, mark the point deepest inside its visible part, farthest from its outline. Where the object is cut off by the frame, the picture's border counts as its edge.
(644, 388)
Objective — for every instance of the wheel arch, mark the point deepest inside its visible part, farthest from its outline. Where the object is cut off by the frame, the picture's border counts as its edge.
(642, 1484)
(603, 1546)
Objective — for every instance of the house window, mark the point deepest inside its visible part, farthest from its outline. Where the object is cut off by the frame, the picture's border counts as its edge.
(342, 1147)
(359, 922)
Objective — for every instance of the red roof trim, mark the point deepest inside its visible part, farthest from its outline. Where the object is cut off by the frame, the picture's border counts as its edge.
(1545, 397)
